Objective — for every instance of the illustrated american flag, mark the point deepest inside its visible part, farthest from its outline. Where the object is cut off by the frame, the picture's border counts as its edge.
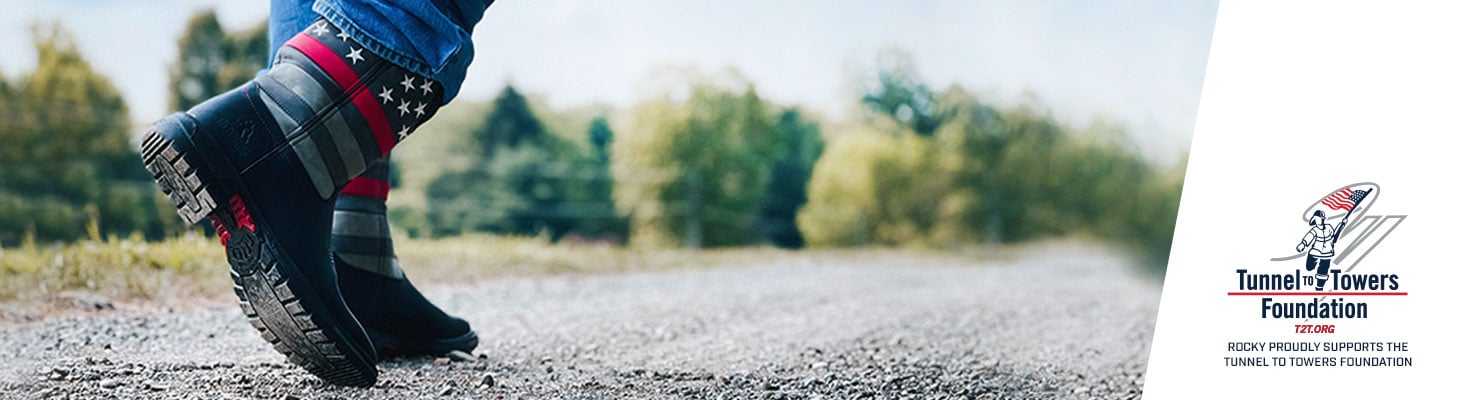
(1345, 199)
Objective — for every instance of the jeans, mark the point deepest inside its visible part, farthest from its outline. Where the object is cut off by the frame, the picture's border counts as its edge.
(429, 38)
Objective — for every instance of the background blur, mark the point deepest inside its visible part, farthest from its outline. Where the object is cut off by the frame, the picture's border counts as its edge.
(654, 125)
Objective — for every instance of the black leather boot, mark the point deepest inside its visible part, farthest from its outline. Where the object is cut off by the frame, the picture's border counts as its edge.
(265, 161)
(398, 319)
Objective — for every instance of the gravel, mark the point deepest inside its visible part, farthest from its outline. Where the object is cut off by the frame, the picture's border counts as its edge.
(1059, 321)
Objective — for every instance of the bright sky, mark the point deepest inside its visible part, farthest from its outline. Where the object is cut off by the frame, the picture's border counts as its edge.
(1139, 62)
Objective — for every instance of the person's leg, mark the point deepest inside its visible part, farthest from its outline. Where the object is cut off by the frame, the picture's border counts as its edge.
(1322, 273)
(431, 39)
(265, 161)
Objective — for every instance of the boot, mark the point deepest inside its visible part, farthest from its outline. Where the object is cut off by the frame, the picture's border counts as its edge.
(264, 162)
(398, 319)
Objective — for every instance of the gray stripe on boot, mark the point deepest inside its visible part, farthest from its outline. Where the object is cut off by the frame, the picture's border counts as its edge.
(382, 265)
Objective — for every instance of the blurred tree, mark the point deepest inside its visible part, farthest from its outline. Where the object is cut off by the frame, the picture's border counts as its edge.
(600, 136)
(211, 61)
(896, 91)
(520, 190)
(1004, 163)
(457, 204)
(987, 173)
(599, 216)
(876, 189)
(67, 163)
(694, 172)
(787, 187)
(524, 180)
(510, 124)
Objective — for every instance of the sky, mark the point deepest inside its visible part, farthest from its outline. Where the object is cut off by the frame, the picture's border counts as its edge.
(1139, 63)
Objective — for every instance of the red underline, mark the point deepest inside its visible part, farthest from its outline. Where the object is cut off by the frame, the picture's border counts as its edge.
(1316, 293)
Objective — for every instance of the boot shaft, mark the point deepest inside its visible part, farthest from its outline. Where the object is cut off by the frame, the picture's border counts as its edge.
(327, 102)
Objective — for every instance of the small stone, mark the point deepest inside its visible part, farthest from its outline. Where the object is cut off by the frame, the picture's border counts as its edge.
(768, 386)
(460, 355)
(487, 381)
(110, 383)
(819, 365)
(446, 392)
(442, 361)
(155, 385)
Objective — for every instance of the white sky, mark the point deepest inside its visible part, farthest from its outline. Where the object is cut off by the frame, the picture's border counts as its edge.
(1139, 62)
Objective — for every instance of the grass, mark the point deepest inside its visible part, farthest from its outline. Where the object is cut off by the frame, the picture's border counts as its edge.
(191, 270)
(193, 266)
(185, 266)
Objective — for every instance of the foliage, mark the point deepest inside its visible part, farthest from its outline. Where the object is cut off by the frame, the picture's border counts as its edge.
(787, 187)
(875, 189)
(510, 125)
(525, 180)
(601, 219)
(897, 93)
(712, 165)
(211, 61)
(989, 174)
(67, 170)
(693, 172)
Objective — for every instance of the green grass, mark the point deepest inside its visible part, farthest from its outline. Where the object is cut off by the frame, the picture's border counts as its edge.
(194, 266)
(188, 265)
(36, 280)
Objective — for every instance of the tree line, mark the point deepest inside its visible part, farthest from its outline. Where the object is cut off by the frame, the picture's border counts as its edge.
(713, 165)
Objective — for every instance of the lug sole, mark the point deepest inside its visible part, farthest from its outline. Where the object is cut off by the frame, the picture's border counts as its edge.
(262, 279)
(177, 178)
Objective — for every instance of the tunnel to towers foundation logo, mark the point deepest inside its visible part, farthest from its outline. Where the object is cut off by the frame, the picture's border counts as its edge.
(1324, 277)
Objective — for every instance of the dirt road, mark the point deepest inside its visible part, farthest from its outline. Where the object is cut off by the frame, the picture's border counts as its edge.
(1062, 321)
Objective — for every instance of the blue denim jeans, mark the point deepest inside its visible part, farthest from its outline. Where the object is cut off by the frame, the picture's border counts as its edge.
(429, 38)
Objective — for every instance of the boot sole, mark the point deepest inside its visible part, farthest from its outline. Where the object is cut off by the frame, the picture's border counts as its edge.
(294, 322)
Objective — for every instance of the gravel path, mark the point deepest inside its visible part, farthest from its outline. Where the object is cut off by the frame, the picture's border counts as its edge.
(1058, 322)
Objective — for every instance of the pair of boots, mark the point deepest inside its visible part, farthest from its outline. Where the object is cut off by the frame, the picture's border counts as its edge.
(277, 165)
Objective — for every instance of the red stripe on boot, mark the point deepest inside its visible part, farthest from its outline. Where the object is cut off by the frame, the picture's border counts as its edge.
(376, 118)
(367, 187)
(345, 77)
(325, 58)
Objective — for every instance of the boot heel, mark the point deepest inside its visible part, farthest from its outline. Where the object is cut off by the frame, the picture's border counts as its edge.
(177, 179)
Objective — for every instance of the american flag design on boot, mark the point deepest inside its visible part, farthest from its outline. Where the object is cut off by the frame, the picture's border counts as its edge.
(341, 107)
(361, 234)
